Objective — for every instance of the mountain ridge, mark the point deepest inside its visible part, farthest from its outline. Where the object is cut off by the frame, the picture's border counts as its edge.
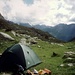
(61, 31)
(8, 26)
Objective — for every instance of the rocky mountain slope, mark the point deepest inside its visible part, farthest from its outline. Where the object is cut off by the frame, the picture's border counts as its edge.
(62, 32)
(9, 26)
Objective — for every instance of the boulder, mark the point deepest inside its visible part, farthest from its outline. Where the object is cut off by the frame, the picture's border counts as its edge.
(32, 41)
(69, 54)
(6, 36)
(23, 41)
(13, 32)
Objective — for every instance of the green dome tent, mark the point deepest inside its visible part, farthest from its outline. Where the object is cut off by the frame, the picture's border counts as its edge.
(18, 54)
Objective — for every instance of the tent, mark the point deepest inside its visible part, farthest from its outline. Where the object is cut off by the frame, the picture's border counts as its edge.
(18, 54)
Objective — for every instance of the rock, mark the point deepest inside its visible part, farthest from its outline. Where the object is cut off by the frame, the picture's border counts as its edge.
(56, 44)
(70, 64)
(39, 46)
(13, 32)
(62, 65)
(23, 41)
(69, 58)
(69, 54)
(32, 41)
(6, 36)
(27, 36)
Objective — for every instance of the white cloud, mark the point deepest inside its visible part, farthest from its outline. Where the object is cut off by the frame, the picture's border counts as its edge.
(48, 12)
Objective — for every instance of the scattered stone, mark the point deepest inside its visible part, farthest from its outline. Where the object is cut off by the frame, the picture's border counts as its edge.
(17, 34)
(62, 65)
(6, 36)
(32, 41)
(56, 44)
(13, 32)
(70, 64)
(69, 54)
(39, 46)
(23, 41)
(69, 59)
(27, 36)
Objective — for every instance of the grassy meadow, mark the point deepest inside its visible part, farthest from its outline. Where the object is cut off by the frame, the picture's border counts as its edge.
(45, 51)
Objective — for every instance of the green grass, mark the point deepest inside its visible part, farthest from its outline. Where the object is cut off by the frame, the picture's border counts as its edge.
(45, 51)
(5, 44)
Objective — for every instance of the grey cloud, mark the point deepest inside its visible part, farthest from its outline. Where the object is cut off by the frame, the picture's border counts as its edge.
(39, 11)
(72, 20)
(59, 15)
(7, 8)
(72, 3)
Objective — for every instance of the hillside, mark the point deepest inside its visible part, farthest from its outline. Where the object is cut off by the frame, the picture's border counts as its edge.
(64, 32)
(17, 32)
(8, 26)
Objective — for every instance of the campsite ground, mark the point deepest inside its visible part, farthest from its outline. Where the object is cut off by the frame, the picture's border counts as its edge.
(45, 51)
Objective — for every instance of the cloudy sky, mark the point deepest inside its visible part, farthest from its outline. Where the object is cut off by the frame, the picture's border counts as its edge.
(48, 12)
